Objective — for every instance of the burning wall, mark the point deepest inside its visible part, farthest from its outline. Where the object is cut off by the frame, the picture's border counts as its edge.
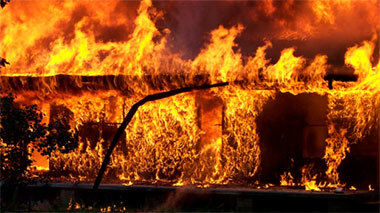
(94, 61)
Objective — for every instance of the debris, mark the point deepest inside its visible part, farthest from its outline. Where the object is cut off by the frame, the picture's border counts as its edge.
(339, 190)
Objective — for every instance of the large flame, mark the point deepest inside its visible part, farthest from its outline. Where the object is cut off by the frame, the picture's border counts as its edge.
(180, 140)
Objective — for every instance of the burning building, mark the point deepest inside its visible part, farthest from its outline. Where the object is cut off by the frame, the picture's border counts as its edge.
(301, 107)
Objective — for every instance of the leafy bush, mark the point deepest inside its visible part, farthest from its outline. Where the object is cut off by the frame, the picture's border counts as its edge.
(20, 130)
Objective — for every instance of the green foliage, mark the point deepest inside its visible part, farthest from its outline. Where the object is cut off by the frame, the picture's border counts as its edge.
(60, 138)
(20, 130)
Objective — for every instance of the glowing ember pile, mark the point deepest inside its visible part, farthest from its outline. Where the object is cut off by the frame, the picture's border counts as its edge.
(202, 138)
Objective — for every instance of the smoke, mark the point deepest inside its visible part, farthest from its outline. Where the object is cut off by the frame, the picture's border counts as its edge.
(313, 27)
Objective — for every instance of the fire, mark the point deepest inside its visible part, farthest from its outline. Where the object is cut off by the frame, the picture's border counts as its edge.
(361, 109)
(198, 138)
(287, 179)
(309, 180)
(323, 11)
(218, 59)
(370, 188)
(286, 68)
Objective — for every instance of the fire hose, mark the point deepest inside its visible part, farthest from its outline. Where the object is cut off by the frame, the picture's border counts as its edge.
(133, 111)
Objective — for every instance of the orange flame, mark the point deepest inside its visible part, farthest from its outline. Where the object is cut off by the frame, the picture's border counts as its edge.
(165, 140)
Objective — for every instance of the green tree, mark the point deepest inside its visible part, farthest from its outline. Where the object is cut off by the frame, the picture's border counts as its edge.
(20, 130)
